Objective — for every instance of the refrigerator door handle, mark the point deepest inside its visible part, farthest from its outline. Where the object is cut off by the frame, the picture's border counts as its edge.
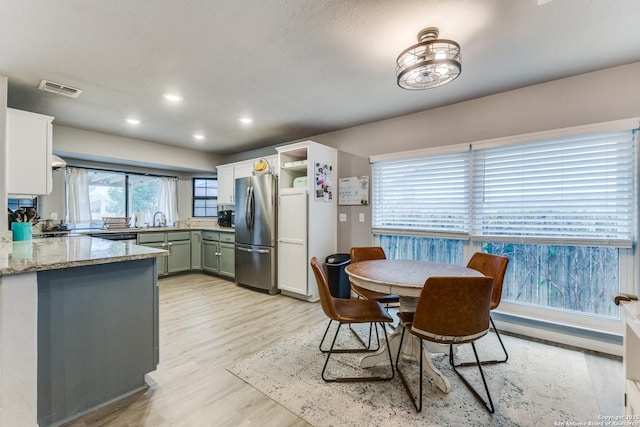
(248, 207)
(253, 251)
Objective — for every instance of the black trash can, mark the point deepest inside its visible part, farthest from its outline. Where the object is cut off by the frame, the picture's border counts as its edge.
(337, 279)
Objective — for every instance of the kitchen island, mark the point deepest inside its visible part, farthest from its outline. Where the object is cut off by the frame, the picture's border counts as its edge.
(78, 326)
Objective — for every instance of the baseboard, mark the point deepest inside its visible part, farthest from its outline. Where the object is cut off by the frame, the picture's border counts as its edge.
(562, 335)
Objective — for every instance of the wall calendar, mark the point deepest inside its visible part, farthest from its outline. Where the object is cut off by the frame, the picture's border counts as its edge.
(353, 190)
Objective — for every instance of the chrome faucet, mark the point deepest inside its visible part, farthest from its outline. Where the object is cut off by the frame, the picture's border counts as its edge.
(162, 222)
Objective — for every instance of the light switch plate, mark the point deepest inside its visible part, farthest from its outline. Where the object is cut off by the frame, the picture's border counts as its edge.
(361, 217)
(343, 217)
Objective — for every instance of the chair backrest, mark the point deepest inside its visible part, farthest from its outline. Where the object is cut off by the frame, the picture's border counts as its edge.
(492, 266)
(453, 310)
(367, 253)
(326, 299)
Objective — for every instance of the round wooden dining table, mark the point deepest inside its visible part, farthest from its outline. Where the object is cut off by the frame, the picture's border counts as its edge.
(405, 278)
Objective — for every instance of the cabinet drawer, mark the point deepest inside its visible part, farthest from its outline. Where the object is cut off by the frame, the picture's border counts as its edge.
(227, 237)
(210, 235)
(172, 236)
(150, 237)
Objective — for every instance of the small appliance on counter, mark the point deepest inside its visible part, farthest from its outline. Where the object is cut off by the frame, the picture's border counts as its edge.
(225, 218)
(140, 219)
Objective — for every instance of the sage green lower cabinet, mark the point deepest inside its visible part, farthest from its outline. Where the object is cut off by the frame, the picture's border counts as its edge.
(218, 253)
(209, 251)
(210, 256)
(227, 265)
(178, 243)
(179, 247)
(159, 241)
(196, 250)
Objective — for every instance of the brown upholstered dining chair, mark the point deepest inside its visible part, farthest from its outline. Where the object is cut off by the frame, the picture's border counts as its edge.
(349, 311)
(492, 266)
(368, 253)
(450, 310)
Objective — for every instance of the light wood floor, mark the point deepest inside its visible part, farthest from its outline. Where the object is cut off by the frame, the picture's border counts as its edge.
(208, 324)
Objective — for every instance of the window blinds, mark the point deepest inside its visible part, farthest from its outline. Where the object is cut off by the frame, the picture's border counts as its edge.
(573, 190)
(426, 195)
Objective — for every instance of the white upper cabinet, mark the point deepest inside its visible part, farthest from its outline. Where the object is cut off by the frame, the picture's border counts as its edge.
(29, 149)
(228, 173)
(226, 185)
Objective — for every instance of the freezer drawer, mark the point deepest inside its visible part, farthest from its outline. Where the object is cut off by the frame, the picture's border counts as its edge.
(256, 267)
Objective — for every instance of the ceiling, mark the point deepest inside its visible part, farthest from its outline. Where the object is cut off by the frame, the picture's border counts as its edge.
(297, 67)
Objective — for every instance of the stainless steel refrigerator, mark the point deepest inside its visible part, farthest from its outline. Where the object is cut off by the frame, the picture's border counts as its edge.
(255, 223)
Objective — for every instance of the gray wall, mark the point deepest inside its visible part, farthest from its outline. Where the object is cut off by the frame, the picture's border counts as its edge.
(600, 96)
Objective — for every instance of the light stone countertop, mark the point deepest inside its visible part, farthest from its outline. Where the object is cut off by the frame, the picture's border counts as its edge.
(154, 229)
(63, 252)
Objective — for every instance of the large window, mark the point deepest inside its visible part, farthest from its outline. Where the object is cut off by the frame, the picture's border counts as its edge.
(561, 209)
(94, 194)
(205, 197)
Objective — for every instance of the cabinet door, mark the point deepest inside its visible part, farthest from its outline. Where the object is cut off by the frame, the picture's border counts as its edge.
(226, 185)
(293, 259)
(179, 256)
(210, 256)
(162, 260)
(29, 144)
(243, 169)
(196, 250)
(227, 259)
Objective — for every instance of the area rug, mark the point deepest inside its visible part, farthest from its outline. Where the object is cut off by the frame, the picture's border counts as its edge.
(540, 385)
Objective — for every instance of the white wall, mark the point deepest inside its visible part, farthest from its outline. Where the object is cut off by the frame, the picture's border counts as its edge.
(84, 144)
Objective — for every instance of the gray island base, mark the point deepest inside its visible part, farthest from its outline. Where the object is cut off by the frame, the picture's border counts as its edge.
(78, 326)
(97, 336)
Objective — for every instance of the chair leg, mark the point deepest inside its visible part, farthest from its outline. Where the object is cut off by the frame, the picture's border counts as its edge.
(366, 347)
(495, 361)
(359, 338)
(356, 379)
(506, 355)
(488, 405)
(417, 403)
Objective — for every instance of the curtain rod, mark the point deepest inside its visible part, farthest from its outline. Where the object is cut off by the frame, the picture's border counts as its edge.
(120, 171)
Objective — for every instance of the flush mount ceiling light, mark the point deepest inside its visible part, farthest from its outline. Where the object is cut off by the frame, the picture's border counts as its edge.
(431, 63)
(173, 97)
(198, 136)
(133, 121)
(245, 120)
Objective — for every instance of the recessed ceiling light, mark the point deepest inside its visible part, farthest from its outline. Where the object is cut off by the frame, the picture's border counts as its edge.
(133, 121)
(172, 97)
(198, 136)
(246, 120)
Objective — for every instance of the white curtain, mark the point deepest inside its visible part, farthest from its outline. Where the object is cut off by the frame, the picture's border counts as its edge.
(168, 199)
(78, 204)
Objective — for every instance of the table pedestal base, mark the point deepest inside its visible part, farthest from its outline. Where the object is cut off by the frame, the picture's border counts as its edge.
(410, 350)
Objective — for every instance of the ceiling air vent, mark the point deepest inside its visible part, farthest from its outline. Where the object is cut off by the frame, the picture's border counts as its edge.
(60, 89)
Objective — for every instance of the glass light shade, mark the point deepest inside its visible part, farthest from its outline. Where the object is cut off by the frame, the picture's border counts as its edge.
(429, 64)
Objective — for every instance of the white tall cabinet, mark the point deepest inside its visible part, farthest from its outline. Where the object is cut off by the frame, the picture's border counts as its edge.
(307, 211)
